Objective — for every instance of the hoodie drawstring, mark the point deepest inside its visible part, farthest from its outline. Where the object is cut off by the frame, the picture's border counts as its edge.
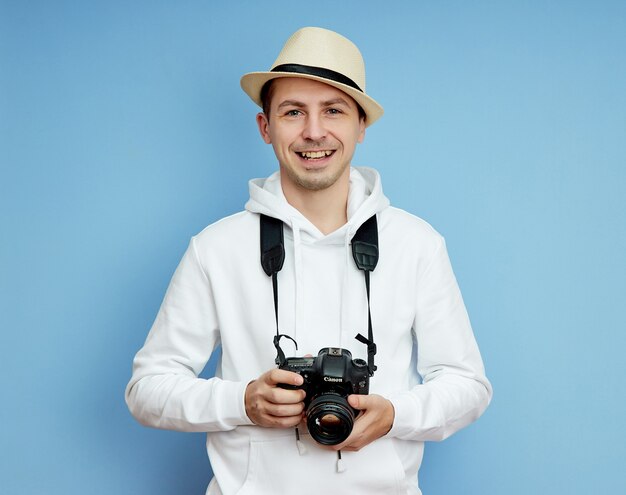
(343, 316)
(301, 447)
(298, 274)
(302, 450)
(340, 464)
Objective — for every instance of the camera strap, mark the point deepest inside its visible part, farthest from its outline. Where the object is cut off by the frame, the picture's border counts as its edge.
(364, 252)
(272, 259)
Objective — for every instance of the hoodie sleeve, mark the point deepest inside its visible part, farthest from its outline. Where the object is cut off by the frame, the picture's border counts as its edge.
(454, 391)
(164, 390)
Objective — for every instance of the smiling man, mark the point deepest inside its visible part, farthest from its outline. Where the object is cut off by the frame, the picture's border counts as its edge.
(314, 131)
(341, 414)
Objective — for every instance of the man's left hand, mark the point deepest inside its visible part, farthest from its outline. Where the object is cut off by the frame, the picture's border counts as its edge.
(374, 421)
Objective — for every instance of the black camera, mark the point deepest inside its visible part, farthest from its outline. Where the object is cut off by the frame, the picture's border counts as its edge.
(328, 380)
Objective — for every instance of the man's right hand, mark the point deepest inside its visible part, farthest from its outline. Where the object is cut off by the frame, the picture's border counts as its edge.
(274, 407)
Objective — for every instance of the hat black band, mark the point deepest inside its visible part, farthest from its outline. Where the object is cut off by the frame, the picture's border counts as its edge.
(319, 72)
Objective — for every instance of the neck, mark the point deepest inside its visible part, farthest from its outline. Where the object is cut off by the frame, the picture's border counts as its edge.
(327, 208)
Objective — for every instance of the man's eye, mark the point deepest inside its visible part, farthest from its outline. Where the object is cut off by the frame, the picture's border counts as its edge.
(293, 113)
(334, 111)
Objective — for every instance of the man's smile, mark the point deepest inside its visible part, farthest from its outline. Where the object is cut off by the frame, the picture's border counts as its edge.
(315, 155)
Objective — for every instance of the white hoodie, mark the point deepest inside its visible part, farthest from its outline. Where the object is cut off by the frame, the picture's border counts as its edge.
(428, 362)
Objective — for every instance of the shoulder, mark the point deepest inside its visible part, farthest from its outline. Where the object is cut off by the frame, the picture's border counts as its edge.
(233, 230)
(411, 240)
(400, 222)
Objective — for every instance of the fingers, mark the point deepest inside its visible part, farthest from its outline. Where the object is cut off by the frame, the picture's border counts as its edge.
(374, 421)
(275, 376)
(270, 406)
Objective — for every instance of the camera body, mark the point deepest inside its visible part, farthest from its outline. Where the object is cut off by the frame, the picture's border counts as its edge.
(328, 380)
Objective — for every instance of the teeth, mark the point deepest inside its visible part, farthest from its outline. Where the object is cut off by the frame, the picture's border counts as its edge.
(315, 154)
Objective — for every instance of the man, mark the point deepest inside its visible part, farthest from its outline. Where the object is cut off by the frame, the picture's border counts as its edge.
(428, 380)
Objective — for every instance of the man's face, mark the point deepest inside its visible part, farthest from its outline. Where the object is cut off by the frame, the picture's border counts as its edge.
(314, 129)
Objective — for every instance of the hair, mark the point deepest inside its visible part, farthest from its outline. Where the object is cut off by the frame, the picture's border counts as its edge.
(266, 97)
(267, 91)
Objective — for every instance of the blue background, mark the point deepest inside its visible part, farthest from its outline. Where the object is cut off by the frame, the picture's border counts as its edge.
(123, 132)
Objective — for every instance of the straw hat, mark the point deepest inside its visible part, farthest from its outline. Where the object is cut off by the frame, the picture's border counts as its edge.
(321, 55)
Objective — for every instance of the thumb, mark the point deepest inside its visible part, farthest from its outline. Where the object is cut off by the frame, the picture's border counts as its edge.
(358, 401)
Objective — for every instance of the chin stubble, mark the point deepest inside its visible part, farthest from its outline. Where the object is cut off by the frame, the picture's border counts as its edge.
(314, 183)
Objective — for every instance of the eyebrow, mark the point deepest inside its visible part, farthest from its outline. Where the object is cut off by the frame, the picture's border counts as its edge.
(327, 103)
(335, 101)
(292, 103)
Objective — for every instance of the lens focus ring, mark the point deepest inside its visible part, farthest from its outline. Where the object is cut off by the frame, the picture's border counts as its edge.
(330, 419)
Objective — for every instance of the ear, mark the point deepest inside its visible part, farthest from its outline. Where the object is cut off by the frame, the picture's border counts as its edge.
(361, 130)
(264, 127)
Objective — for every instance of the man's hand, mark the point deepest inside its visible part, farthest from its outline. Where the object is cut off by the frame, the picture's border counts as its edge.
(271, 406)
(374, 421)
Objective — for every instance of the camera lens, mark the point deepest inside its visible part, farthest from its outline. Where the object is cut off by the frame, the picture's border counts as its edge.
(329, 419)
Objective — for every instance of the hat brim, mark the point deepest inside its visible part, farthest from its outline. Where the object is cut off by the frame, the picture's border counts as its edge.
(253, 82)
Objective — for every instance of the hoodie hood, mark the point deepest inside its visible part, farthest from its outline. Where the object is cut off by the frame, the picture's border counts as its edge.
(365, 199)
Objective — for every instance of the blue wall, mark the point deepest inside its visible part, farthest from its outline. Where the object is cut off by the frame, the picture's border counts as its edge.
(123, 132)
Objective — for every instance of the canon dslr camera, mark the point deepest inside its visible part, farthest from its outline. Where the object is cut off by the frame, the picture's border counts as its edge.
(328, 380)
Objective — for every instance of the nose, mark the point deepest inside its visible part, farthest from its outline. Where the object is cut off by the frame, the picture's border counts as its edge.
(314, 128)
